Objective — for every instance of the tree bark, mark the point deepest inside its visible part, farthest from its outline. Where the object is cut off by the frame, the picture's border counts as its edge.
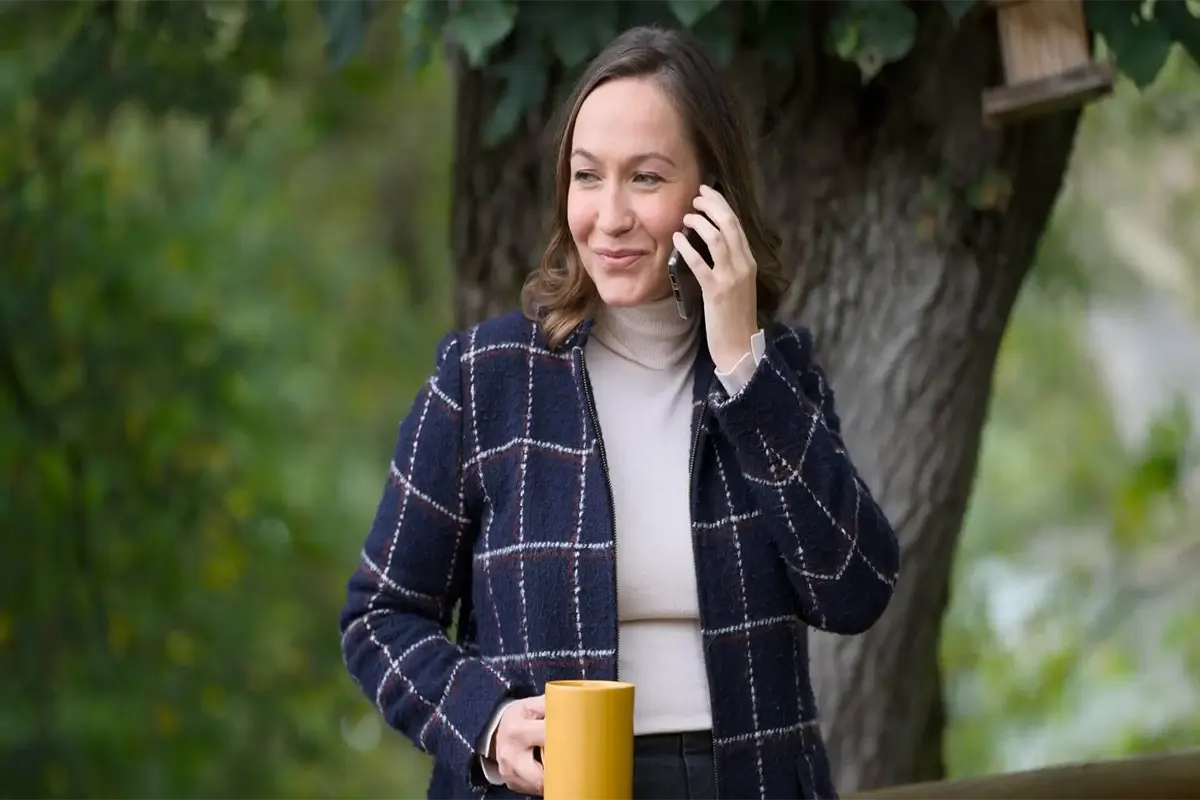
(907, 284)
(500, 202)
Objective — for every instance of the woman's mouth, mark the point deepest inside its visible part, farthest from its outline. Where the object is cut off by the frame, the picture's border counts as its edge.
(619, 259)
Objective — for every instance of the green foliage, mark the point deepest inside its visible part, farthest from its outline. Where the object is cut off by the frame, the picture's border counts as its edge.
(871, 34)
(99, 55)
(346, 27)
(1073, 629)
(522, 41)
(1180, 24)
(1042, 631)
(689, 12)
(1140, 35)
(204, 351)
(203, 355)
(1139, 43)
(477, 26)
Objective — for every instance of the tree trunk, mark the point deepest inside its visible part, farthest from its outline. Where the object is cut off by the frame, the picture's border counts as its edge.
(911, 228)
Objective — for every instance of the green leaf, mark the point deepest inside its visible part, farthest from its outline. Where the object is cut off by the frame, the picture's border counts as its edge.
(524, 87)
(1140, 46)
(957, 8)
(1181, 24)
(345, 27)
(689, 12)
(871, 33)
(479, 25)
(889, 28)
(421, 25)
(572, 30)
(572, 46)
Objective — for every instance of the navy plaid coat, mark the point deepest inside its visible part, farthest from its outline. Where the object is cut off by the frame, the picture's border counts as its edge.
(497, 500)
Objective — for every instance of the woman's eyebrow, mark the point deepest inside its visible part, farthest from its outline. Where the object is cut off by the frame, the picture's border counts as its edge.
(635, 159)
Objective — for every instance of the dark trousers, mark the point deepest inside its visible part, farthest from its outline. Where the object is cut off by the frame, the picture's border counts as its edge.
(674, 766)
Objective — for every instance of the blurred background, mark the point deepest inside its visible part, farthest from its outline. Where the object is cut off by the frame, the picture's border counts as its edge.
(207, 344)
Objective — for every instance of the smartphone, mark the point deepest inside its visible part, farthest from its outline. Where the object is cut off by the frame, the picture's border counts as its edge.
(688, 297)
(685, 287)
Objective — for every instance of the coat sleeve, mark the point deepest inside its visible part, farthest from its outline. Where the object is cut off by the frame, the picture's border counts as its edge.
(414, 567)
(841, 553)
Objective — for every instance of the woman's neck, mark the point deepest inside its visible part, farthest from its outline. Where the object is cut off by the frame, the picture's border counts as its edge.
(651, 334)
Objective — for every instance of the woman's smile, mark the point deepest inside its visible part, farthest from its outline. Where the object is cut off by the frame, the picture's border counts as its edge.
(619, 259)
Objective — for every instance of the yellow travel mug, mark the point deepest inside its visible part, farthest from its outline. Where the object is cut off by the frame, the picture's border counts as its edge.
(589, 741)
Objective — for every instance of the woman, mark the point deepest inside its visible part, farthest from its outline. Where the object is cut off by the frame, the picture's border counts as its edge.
(689, 547)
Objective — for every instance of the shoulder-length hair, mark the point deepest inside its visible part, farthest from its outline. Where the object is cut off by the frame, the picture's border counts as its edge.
(559, 295)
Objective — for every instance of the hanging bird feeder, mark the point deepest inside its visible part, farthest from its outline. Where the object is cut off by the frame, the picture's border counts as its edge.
(1048, 64)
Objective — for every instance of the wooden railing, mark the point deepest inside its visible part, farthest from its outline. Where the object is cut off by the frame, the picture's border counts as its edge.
(1166, 777)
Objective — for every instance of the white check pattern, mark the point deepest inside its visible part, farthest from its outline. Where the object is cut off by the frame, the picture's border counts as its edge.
(497, 501)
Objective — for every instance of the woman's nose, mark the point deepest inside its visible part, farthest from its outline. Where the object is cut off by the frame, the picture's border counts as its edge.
(616, 215)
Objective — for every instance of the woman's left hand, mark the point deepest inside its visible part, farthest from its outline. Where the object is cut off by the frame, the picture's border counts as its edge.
(730, 293)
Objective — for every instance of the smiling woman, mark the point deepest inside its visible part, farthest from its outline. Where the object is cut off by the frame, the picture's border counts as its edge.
(662, 499)
(639, 136)
(634, 175)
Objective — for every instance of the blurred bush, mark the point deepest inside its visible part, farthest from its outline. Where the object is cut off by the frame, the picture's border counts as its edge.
(205, 347)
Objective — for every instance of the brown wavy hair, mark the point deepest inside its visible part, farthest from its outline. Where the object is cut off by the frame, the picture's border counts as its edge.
(559, 294)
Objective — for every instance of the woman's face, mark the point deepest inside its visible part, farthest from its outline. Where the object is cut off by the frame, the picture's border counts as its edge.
(634, 174)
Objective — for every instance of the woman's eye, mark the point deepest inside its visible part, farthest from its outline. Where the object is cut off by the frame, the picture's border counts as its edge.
(647, 179)
(583, 176)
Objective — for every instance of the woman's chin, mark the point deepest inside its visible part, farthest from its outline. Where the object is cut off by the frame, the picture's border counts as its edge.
(622, 293)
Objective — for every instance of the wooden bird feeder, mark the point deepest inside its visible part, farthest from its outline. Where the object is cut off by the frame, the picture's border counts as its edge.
(1048, 65)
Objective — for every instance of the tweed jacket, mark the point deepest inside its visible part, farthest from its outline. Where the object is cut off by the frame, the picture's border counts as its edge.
(497, 502)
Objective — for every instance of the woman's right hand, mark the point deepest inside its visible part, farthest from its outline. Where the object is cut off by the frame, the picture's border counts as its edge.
(522, 728)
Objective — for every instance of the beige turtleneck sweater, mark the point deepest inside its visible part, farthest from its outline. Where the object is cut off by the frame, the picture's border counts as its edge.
(640, 362)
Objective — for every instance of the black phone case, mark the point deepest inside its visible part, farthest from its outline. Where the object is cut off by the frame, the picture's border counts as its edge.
(683, 282)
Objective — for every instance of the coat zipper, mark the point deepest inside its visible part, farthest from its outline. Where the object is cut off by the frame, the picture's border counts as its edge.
(612, 513)
(696, 555)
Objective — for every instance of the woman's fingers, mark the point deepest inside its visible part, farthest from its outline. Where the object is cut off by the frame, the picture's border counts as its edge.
(522, 772)
(536, 706)
(534, 735)
(527, 775)
(714, 204)
(522, 730)
(712, 237)
(693, 259)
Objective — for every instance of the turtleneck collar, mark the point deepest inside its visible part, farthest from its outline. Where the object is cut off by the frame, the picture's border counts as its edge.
(651, 334)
